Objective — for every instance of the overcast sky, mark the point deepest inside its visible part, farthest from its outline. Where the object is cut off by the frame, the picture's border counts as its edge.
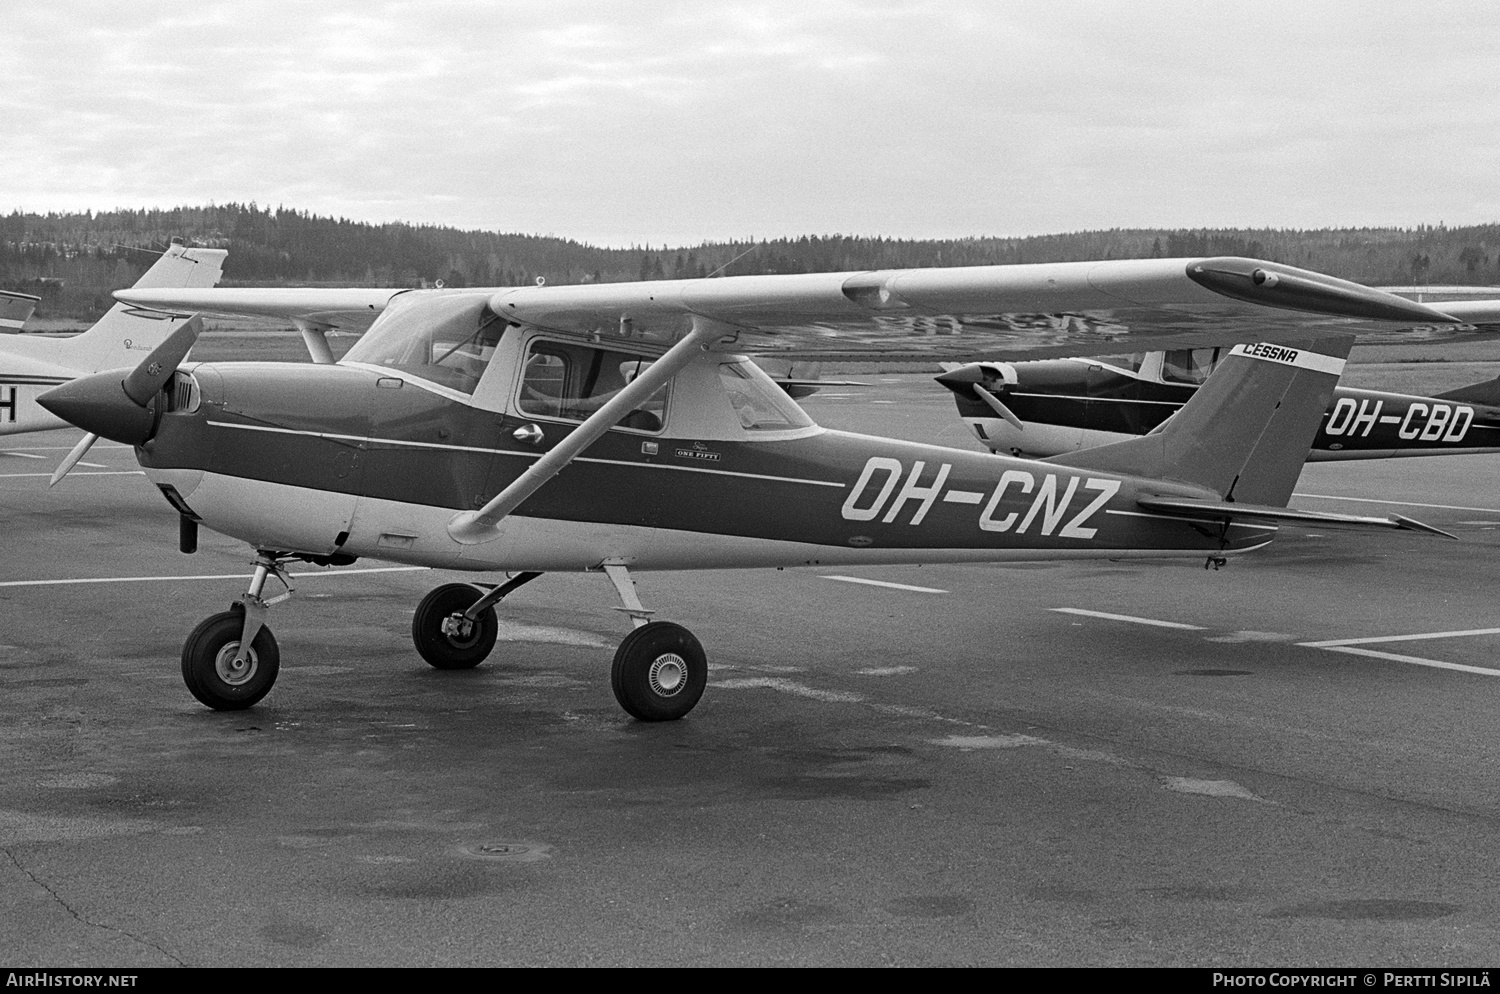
(674, 123)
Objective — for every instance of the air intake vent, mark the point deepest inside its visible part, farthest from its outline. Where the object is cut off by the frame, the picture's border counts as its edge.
(183, 393)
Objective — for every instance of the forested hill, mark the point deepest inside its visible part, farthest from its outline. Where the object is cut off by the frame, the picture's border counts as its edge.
(73, 261)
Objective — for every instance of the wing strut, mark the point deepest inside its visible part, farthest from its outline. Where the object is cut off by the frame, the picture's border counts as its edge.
(478, 527)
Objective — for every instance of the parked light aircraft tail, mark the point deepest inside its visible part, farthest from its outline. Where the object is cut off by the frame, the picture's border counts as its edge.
(33, 364)
(15, 309)
(1245, 433)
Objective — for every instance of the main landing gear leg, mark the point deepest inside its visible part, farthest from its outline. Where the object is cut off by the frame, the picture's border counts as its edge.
(230, 661)
(1217, 560)
(454, 627)
(660, 669)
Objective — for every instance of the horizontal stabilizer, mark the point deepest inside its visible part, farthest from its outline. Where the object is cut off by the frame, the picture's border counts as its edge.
(1487, 393)
(1221, 510)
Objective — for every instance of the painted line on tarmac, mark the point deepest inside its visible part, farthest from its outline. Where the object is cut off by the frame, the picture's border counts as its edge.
(882, 583)
(1127, 617)
(56, 448)
(206, 576)
(112, 472)
(1400, 503)
(1350, 646)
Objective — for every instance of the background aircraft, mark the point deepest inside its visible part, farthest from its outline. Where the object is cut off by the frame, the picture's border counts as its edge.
(619, 427)
(15, 309)
(800, 379)
(1049, 407)
(33, 364)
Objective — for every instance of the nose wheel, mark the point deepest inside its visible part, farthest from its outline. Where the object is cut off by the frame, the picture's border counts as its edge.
(230, 661)
(221, 676)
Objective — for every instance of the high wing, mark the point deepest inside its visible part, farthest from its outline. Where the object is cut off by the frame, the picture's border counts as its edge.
(333, 308)
(1041, 310)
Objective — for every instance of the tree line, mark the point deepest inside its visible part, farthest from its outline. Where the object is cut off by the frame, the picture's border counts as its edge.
(74, 260)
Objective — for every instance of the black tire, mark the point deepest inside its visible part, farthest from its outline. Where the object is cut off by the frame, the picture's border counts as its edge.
(660, 671)
(208, 657)
(463, 649)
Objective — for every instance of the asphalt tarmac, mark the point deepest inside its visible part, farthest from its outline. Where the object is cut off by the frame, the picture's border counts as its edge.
(1292, 761)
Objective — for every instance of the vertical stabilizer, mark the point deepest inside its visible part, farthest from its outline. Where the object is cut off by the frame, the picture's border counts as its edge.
(126, 334)
(1246, 433)
(15, 309)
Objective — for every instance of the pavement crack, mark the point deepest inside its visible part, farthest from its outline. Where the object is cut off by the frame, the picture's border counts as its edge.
(78, 917)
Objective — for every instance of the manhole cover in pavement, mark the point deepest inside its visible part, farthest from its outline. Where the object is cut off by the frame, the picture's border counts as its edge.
(510, 852)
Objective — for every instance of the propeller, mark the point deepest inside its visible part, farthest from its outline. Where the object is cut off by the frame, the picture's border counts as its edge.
(71, 459)
(974, 375)
(107, 405)
(998, 407)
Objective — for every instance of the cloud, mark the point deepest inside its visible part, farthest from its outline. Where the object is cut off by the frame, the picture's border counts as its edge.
(676, 122)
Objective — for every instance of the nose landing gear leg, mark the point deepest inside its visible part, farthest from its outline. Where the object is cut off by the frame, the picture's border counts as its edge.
(231, 660)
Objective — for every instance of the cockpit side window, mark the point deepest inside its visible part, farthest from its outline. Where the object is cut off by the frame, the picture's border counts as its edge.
(1188, 365)
(446, 340)
(759, 402)
(571, 381)
(1130, 363)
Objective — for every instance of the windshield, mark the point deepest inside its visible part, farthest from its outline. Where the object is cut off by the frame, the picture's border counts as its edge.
(447, 339)
(760, 403)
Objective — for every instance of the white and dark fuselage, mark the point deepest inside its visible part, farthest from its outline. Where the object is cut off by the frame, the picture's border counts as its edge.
(375, 459)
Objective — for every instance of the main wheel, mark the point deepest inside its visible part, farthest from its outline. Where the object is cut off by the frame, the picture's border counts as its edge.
(208, 663)
(659, 672)
(444, 637)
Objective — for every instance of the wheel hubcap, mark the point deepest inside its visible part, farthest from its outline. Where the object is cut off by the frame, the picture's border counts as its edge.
(668, 674)
(226, 669)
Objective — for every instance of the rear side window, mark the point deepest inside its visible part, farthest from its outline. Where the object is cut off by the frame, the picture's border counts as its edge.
(1188, 365)
(570, 382)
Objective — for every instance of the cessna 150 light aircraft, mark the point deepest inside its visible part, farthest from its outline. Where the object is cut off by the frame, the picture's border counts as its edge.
(33, 364)
(1045, 408)
(620, 427)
